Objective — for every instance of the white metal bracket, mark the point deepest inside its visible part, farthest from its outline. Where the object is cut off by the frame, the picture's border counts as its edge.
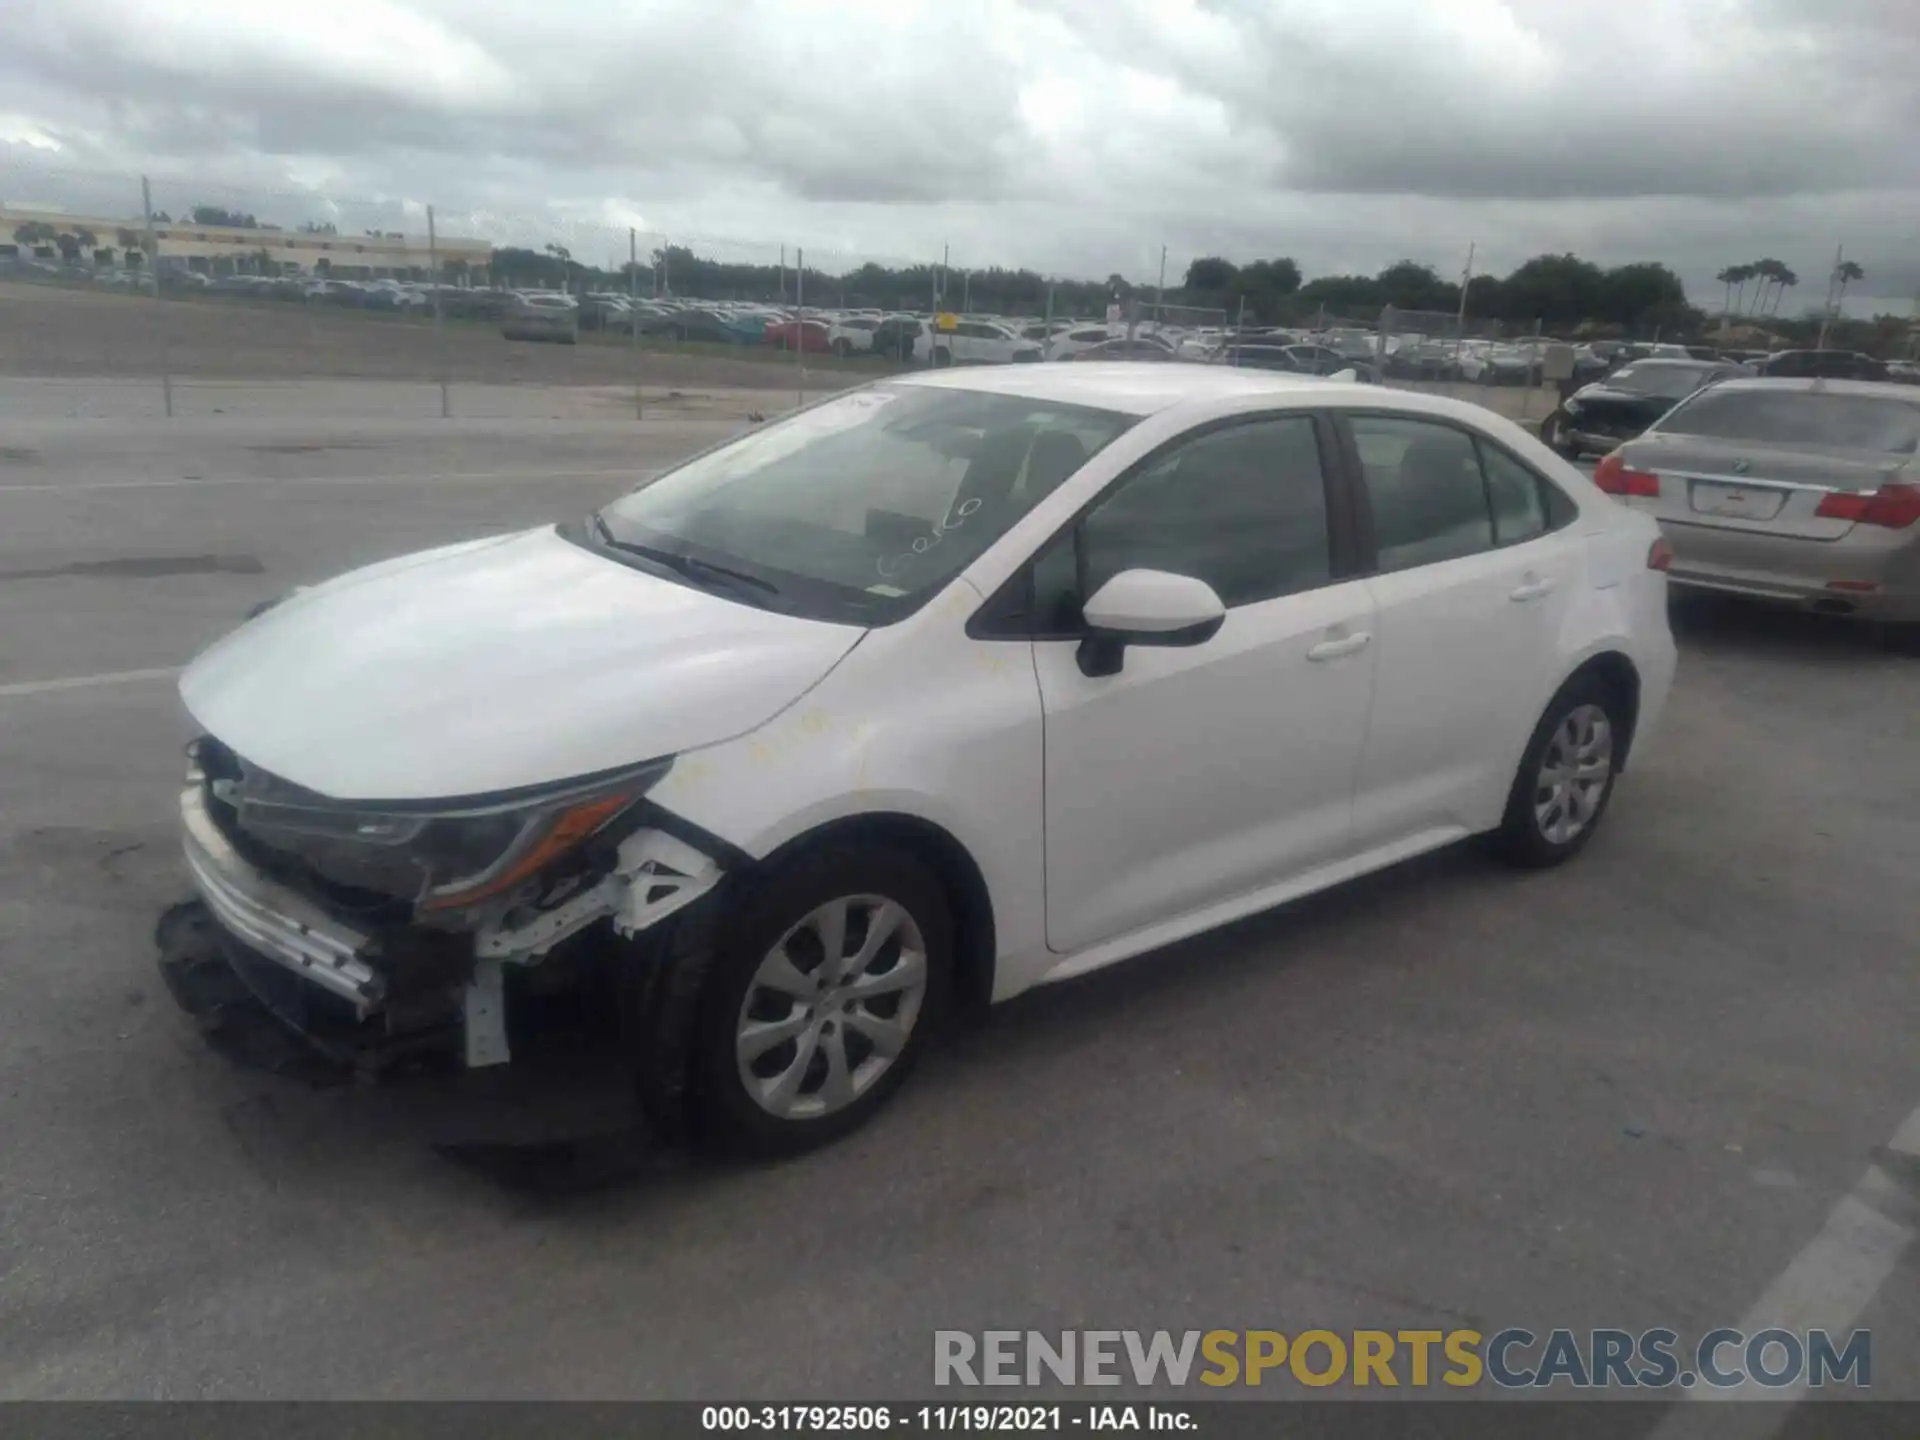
(484, 1015)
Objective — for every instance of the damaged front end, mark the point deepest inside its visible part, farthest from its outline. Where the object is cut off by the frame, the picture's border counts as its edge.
(383, 934)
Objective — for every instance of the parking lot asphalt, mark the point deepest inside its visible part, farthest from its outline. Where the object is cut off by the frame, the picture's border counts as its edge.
(1626, 1093)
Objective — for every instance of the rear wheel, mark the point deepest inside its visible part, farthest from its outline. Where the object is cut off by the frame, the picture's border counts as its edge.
(942, 357)
(818, 999)
(1565, 778)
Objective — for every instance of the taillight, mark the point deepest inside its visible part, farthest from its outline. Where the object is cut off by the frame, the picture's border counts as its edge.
(1660, 555)
(1613, 476)
(1894, 506)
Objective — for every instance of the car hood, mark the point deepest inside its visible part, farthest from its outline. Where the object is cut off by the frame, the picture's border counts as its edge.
(495, 665)
(1601, 394)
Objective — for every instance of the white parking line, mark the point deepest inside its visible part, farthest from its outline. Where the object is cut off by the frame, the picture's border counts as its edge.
(417, 477)
(85, 682)
(1827, 1286)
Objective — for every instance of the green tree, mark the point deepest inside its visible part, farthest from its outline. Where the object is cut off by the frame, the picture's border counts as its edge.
(1211, 275)
(1628, 294)
(219, 215)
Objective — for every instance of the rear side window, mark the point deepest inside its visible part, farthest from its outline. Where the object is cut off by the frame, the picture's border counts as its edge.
(1424, 484)
(1437, 493)
(1801, 417)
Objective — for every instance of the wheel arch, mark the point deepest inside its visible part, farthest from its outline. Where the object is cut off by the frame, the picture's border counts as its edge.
(1616, 671)
(975, 944)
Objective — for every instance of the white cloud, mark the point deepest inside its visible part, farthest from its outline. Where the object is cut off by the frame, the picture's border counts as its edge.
(1072, 135)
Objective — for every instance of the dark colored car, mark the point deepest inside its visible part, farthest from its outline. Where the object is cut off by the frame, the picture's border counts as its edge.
(1297, 360)
(1821, 365)
(1599, 416)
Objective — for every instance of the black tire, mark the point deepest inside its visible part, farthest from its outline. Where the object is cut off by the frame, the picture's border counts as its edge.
(724, 1116)
(1521, 839)
(842, 349)
(1901, 639)
(942, 357)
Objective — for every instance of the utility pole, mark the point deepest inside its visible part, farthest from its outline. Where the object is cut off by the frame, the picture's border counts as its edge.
(783, 274)
(153, 278)
(800, 320)
(1827, 315)
(633, 312)
(1460, 320)
(1160, 292)
(439, 330)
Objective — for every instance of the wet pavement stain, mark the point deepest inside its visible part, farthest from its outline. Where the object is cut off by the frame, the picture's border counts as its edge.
(146, 567)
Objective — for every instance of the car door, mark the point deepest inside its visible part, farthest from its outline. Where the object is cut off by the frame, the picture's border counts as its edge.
(1473, 572)
(1199, 774)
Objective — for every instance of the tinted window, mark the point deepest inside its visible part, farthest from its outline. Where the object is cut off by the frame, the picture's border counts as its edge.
(1801, 417)
(1424, 484)
(1243, 508)
(1088, 335)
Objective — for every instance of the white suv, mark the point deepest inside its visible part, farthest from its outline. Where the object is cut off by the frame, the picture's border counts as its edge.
(982, 342)
(949, 686)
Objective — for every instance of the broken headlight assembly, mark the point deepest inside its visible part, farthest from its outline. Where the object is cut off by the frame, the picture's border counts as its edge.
(443, 860)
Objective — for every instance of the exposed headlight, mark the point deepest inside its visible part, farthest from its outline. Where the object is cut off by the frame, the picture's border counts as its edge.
(439, 859)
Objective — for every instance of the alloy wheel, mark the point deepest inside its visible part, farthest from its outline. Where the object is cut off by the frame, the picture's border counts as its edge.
(831, 1007)
(1573, 774)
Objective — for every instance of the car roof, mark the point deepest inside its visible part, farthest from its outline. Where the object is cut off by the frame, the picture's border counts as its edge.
(1877, 389)
(1135, 389)
(1128, 388)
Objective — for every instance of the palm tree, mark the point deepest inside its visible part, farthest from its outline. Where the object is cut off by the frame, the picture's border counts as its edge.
(1725, 277)
(1782, 278)
(132, 246)
(1741, 275)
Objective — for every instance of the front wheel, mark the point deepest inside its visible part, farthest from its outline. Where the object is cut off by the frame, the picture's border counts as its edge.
(818, 999)
(942, 358)
(1565, 778)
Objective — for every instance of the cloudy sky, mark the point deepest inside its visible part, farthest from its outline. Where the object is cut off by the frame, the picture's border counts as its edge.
(1075, 136)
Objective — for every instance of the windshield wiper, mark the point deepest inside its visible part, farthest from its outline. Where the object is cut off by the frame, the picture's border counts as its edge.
(685, 566)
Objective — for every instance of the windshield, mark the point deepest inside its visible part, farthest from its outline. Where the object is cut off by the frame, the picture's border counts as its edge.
(1672, 382)
(1802, 417)
(860, 508)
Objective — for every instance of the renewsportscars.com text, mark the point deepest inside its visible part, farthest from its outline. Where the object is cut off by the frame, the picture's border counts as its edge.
(1513, 1358)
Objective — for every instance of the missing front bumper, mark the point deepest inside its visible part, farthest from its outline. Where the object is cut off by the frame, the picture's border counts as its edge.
(376, 1000)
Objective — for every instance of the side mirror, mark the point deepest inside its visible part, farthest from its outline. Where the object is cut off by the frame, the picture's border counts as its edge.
(1146, 607)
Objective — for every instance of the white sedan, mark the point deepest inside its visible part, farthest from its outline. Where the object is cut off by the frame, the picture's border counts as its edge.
(946, 687)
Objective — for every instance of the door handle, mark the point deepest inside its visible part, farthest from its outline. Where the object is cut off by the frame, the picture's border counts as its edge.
(1531, 590)
(1334, 649)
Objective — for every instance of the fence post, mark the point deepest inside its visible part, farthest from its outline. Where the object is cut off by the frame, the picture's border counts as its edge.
(439, 330)
(153, 279)
(1533, 372)
(633, 314)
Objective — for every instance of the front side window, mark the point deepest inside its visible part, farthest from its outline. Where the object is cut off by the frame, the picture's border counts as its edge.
(1243, 508)
(859, 508)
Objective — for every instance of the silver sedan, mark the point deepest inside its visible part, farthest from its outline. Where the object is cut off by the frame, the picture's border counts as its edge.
(1802, 491)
